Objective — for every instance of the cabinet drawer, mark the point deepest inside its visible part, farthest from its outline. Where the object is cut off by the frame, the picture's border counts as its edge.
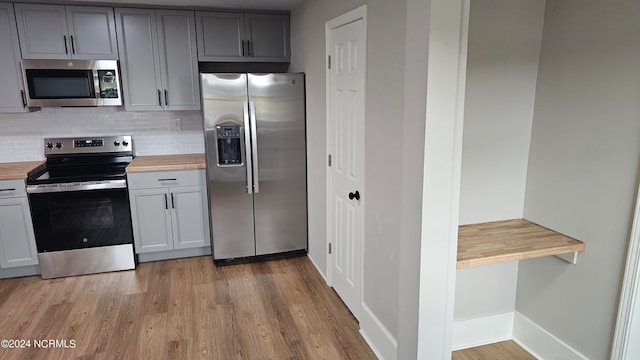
(12, 188)
(158, 179)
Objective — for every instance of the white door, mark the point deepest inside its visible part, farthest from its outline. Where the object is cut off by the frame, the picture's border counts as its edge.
(346, 126)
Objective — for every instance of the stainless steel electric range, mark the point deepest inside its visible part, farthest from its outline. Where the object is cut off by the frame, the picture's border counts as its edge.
(80, 207)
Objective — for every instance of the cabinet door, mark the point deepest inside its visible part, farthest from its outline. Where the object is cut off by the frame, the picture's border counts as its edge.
(11, 93)
(151, 220)
(189, 217)
(43, 31)
(178, 60)
(137, 41)
(17, 241)
(221, 36)
(92, 32)
(268, 37)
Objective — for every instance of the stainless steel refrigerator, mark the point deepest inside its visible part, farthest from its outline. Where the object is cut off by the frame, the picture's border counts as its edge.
(256, 163)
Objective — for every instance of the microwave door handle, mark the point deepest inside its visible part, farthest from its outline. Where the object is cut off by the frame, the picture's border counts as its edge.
(247, 147)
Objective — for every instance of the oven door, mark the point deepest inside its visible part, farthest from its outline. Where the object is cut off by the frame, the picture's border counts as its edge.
(66, 220)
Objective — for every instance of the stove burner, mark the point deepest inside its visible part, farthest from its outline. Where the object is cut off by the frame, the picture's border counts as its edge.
(84, 159)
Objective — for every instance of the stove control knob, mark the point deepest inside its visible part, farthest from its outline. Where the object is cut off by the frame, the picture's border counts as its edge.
(116, 143)
(58, 145)
(125, 143)
(49, 146)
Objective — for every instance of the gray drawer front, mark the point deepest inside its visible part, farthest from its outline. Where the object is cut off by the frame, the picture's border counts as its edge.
(12, 188)
(157, 179)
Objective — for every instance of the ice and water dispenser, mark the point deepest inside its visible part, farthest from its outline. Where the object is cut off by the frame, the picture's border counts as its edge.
(229, 149)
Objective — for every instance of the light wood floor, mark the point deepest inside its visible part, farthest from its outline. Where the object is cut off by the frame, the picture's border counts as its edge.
(190, 309)
(183, 309)
(506, 350)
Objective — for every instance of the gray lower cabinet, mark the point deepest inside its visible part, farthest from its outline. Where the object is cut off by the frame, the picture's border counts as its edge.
(17, 240)
(66, 32)
(233, 37)
(12, 89)
(168, 210)
(158, 59)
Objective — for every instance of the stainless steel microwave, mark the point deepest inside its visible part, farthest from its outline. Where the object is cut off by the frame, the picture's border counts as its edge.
(72, 83)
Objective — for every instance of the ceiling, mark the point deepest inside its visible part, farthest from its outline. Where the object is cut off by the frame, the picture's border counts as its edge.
(221, 4)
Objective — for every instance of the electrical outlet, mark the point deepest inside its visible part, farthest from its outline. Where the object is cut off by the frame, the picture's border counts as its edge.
(177, 124)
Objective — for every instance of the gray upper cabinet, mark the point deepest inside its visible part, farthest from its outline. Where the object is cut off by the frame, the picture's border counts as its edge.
(92, 32)
(267, 37)
(71, 32)
(220, 36)
(178, 60)
(233, 37)
(139, 64)
(12, 90)
(158, 59)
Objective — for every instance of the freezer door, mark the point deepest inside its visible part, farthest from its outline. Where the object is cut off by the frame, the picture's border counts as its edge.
(229, 177)
(277, 109)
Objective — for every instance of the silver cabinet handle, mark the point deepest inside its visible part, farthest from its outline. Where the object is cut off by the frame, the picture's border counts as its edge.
(159, 98)
(243, 53)
(249, 48)
(73, 46)
(66, 49)
(254, 146)
(168, 179)
(173, 204)
(23, 95)
(7, 190)
(166, 97)
(166, 202)
(247, 145)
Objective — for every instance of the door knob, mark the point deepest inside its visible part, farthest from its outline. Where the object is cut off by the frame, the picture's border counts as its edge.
(355, 195)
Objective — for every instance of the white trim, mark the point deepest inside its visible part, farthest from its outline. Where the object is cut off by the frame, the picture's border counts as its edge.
(359, 13)
(317, 269)
(541, 343)
(441, 177)
(380, 340)
(630, 291)
(482, 331)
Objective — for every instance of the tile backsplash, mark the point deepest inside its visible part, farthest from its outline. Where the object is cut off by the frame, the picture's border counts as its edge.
(154, 133)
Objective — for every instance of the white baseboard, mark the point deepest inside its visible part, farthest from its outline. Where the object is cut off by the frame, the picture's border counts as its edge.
(541, 343)
(482, 331)
(317, 268)
(380, 340)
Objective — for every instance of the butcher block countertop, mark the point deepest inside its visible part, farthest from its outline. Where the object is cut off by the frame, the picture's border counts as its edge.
(510, 240)
(19, 170)
(167, 162)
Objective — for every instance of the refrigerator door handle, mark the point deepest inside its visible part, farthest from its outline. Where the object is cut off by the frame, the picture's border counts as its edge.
(247, 145)
(254, 146)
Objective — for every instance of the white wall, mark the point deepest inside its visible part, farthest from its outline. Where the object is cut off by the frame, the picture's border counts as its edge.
(308, 56)
(485, 291)
(502, 65)
(415, 89)
(393, 158)
(502, 69)
(583, 167)
(176, 132)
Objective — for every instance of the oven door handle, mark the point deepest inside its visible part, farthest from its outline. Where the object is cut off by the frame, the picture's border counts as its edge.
(84, 186)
